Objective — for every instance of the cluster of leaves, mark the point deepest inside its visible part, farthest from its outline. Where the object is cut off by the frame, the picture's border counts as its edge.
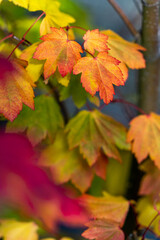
(77, 151)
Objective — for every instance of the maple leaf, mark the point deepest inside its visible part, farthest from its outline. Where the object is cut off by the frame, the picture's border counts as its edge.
(43, 122)
(94, 40)
(77, 92)
(125, 51)
(27, 187)
(68, 164)
(54, 17)
(12, 229)
(107, 207)
(34, 67)
(99, 74)
(150, 183)
(15, 88)
(59, 52)
(93, 131)
(144, 135)
(101, 229)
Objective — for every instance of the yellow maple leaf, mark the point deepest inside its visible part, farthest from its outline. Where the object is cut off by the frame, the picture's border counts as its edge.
(54, 17)
(34, 67)
(125, 51)
(147, 211)
(15, 230)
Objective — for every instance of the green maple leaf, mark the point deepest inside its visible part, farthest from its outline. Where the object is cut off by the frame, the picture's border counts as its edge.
(40, 123)
(93, 131)
(77, 92)
(68, 164)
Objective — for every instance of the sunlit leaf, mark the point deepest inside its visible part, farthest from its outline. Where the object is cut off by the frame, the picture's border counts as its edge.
(99, 74)
(15, 88)
(58, 52)
(34, 67)
(14, 230)
(94, 40)
(54, 17)
(125, 51)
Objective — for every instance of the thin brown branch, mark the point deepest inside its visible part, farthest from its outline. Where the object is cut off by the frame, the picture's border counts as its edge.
(77, 27)
(125, 19)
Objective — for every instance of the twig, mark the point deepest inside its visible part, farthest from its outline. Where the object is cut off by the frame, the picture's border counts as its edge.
(23, 38)
(120, 12)
(124, 102)
(137, 6)
(77, 27)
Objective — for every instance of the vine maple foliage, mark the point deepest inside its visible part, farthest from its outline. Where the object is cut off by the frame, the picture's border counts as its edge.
(51, 158)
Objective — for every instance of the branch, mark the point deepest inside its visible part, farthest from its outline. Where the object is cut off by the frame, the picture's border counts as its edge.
(149, 77)
(125, 19)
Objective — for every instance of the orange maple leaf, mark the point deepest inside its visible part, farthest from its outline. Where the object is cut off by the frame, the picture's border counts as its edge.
(144, 135)
(59, 52)
(15, 88)
(94, 40)
(125, 51)
(107, 207)
(99, 74)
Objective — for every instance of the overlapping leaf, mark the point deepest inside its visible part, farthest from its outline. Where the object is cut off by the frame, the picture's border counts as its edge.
(34, 67)
(107, 207)
(43, 122)
(144, 134)
(102, 229)
(77, 92)
(58, 52)
(54, 17)
(150, 184)
(15, 88)
(94, 40)
(68, 164)
(99, 74)
(93, 131)
(125, 51)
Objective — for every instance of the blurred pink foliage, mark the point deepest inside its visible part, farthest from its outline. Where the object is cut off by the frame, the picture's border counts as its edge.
(27, 187)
